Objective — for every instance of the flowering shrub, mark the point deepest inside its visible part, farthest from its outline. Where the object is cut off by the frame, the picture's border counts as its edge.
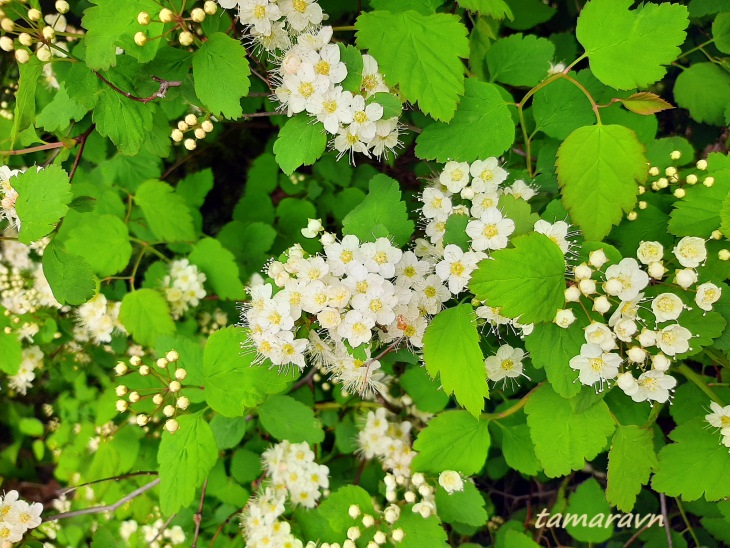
(317, 273)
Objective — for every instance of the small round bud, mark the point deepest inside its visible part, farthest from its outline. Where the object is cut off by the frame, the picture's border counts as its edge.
(175, 386)
(613, 286)
(398, 535)
(186, 38)
(724, 254)
(691, 179)
(191, 119)
(168, 411)
(716, 235)
(353, 511)
(121, 390)
(25, 39)
(564, 318)
(671, 171)
(662, 183)
(140, 38)
(143, 18)
(642, 189)
(702, 164)
(6, 43)
(207, 126)
(660, 362)
(135, 361)
(368, 520)
(675, 155)
(190, 144)
(353, 533)
(349, 544)
(653, 171)
(180, 374)
(636, 354)
(210, 7)
(467, 193)
(680, 193)
(122, 406)
(200, 133)
(182, 126)
(409, 496)
(34, 14)
(583, 272)
(166, 16)
(572, 294)
(120, 368)
(62, 7)
(587, 287)
(632, 215)
(176, 135)
(142, 419)
(7, 24)
(172, 426)
(601, 304)
(144, 370)
(197, 15)
(162, 363)
(425, 511)
(49, 33)
(134, 396)
(379, 538)
(685, 277)
(656, 270)
(172, 356)
(597, 258)
(22, 56)
(708, 181)
(182, 403)
(157, 399)
(654, 186)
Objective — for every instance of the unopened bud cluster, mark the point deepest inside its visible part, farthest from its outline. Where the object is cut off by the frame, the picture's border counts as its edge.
(195, 129)
(188, 26)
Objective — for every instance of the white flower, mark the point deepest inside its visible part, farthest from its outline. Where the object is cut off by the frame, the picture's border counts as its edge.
(349, 141)
(386, 137)
(329, 64)
(720, 416)
(625, 279)
(564, 318)
(355, 327)
(685, 277)
(301, 13)
(380, 257)
(364, 118)
(707, 295)
(451, 481)
(506, 363)
(595, 365)
(653, 385)
(259, 14)
(650, 252)
(600, 334)
(673, 340)
(342, 256)
(333, 109)
(557, 232)
(491, 231)
(486, 173)
(372, 80)
(666, 307)
(305, 89)
(432, 294)
(457, 266)
(520, 189)
(455, 176)
(690, 251)
(483, 201)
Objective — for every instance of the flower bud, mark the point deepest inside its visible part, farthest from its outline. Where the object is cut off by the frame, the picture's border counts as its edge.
(701, 164)
(587, 287)
(210, 7)
(379, 538)
(6, 43)
(675, 155)
(583, 272)
(176, 135)
(708, 181)
(25, 39)
(200, 133)
(723, 255)
(662, 182)
(653, 171)
(632, 215)
(191, 119)
(135, 360)
(691, 179)
(134, 397)
(643, 205)
(190, 144)
(182, 126)
(172, 426)
(180, 374)
(7, 24)
(182, 403)
(62, 7)
(597, 258)
(34, 14)
(157, 399)
(613, 286)
(685, 277)
(660, 362)
(142, 419)
(120, 368)
(636, 354)
(122, 406)
(140, 38)
(656, 270)
(409, 496)
(207, 126)
(144, 370)
(353, 533)
(353, 511)
(175, 386)
(368, 520)
(680, 193)
(572, 294)
(166, 16)
(467, 193)
(197, 15)
(49, 33)
(22, 56)
(186, 38)
(398, 535)
(168, 411)
(121, 390)
(143, 18)
(172, 356)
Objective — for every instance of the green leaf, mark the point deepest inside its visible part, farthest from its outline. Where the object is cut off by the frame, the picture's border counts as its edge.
(466, 506)
(166, 212)
(517, 448)
(424, 391)
(288, 419)
(392, 106)
(221, 74)
(70, 276)
(420, 532)
(24, 113)
(453, 440)
(12, 352)
(104, 538)
(630, 463)
(335, 507)
(245, 465)
(704, 89)
(599, 168)
(124, 121)
(551, 347)
(381, 214)
(300, 143)
(481, 127)
(195, 187)
(418, 63)
(515, 539)
(425, 7)
(588, 503)
(527, 282)
(352, 58)
(455, 232)
(721, 32)
(645, 103)
(451, 350)
(698, 213)
(582, 434)
(617, 40)
(57, 114)
(696, 464)
(219, 265)
(520, 60)
(529, 13)
(185, 458)
(144, 313)
(110, 24)
(560, 108)
(496, 9)
(43, 198)
(519, 211)
(232, 383)
(102, 241)
(725, 215)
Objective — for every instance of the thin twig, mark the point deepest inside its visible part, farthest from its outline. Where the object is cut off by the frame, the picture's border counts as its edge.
(304, 380)
(47, 146)
(198, 517)
(162, 529)
(165, 85)
(663, 502)
(108, 507)
(221, 526)
(82, 145)
(68, 490)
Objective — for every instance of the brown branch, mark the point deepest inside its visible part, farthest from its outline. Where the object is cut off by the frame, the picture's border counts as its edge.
(162, 529)
(47, 146)
(108, 507)
(663, 503)
(68, 490)
(165, 85)
(198, 517)
(220, 528)
(82, 144)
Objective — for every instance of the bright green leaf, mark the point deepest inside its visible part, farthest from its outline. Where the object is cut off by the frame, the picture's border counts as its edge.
(419, 532)
(43, 198)
(124, 121)
(24, 113)
(70, 276)
(102, 241)
(704, 89)
(630, 463)
(12, 352)
(166, 212)
(219, 265)
(698, 213)
(465, 506)
(300, 143)
(57, 114)
(560, 108)
(721, 32)
(520, 60)
(144, 313)
(589, 507)
(288, 419)
(551, 347)
(496, 9)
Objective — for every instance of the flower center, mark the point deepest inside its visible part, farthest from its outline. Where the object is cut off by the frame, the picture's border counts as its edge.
(596, 364)
(346, 256)
(330, 106)
(457, 269)
(490, 231)
(507, 365)
(306, 89)
(259, 12)
(299, 5)
(360, 117)
(323, 67)
(430, 292)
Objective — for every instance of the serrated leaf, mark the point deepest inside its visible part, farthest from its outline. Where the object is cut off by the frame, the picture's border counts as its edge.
(560, 108)
(419, 532)
(599, 170)
(616, 38)
(145, 315)
(24, 113)
(465, 506)
(519, 211)
(288, 419)
(451, 350)
(526, 281)
(124, 121)
(725, 215)
(43, 198)
(455, 232)
(721, 32)
(102, 241)
(185, 458)
(529, 13)
(70, 276)
(381, 214)
(582, 433)
(232, 382)
(520, 60)
(335, 507)
(551, 347)
(481, 127)
(425, 392)
(300, 143)
(166, 212)
(589, 501)
(219, 265)
(221, 74)
(645, 103)
(704, 89)
(696, 464)
(392, 106)
(698, 213)
(453, 440)
(352, 58)
(517, 448)
(57, 114)
(496, 9)
(424, 70)
(630, 463)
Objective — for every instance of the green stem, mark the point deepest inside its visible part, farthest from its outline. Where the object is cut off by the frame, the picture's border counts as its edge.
(696, 48)
(717, 356)
(654, 415)
(580, 86)
(526, 139)
(686, 522)
(511, 410)
(700, 382)
(571, 65)
(345, 28)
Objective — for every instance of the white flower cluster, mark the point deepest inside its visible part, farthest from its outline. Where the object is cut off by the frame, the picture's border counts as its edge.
(8, 197)
(32, 359)
(353, 294)
(294, 474)
(720, 418)
(651, 339)
(98, 318)
(154, 534)
(474, 191)
(23, 285)
(17, 517)
(390, 442)
(183, 287)
(505, 364)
